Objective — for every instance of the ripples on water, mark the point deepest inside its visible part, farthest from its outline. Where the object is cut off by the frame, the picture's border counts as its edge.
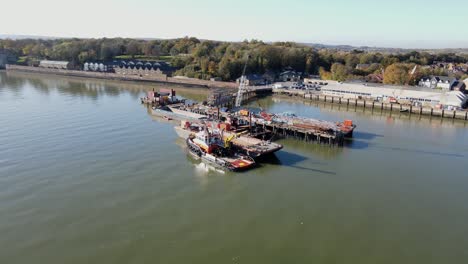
(86, 175)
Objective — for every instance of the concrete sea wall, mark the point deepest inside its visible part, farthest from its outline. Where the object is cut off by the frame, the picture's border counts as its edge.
(114, 76)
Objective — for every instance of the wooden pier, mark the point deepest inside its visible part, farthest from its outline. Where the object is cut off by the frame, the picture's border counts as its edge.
(306, 134)
(369, 104)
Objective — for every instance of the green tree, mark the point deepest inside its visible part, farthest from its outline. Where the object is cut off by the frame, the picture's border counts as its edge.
(133, 48)
(339, 72)
(152, 48)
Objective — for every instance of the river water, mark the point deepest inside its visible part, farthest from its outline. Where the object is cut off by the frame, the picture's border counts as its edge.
(88, 176)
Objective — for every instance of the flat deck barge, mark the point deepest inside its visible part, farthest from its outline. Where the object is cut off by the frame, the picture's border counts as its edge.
(263, 123)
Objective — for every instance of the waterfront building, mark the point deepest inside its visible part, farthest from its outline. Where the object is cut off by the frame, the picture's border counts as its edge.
(96, 67)
(290, 76)
(142, 68)
(60, 65)
(413, 95)
(438, 82)
(6, 57)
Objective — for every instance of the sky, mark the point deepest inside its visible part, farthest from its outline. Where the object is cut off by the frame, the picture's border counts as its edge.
(389, 23)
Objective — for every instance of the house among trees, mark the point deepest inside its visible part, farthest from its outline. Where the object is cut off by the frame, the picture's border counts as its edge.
(60, 65)
(290, 76)
(438, 82)
(451, 67)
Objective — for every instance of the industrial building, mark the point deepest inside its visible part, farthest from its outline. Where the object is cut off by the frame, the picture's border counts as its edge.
(412, 95)
(141, 68)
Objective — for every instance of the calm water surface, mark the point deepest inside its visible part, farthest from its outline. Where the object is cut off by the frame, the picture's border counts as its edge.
(88, 176)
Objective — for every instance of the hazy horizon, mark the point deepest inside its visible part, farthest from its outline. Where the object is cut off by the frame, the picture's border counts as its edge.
(396, 24)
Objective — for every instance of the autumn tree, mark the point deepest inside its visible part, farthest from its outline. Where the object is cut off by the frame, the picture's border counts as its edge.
(398, 73)
(324, 74)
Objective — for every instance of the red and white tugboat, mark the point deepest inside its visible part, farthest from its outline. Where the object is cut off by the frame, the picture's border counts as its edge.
(210, 148)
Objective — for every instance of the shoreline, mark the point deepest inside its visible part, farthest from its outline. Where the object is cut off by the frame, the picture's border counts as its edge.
(186, 82)
(193, 93)
(354, 104)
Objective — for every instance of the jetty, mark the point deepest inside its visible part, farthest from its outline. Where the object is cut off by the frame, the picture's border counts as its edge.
(261, 124)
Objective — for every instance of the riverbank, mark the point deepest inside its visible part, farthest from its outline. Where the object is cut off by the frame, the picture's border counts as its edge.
(400, 108)
(188, 82)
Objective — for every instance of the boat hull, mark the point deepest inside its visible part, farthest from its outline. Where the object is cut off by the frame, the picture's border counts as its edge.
(234, 166)
(255, 151)
(186, 114)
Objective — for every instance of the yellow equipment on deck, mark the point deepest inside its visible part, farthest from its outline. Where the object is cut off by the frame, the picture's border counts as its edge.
(228, 139)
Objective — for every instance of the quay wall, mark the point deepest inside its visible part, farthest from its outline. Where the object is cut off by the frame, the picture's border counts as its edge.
(114, 76)
(409, 109)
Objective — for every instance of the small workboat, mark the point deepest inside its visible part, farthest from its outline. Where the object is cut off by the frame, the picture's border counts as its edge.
(210, 148)
(251, 146)
(176, 109)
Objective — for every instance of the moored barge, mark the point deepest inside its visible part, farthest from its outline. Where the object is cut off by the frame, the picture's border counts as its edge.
(253, 147)
(209, 147)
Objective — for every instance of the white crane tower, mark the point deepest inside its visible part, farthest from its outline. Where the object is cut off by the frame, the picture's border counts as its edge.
(242, 85)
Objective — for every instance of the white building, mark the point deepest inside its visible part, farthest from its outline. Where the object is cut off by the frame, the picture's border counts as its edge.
(438, 82)
(94, 66)
(63, 65)
(403, 94)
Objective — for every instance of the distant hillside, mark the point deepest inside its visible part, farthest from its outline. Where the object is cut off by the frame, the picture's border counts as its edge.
(383, 50)
(15, 37)
(315, 45)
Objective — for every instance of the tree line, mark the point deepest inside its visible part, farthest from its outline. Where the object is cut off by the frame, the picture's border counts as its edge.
(205, 59)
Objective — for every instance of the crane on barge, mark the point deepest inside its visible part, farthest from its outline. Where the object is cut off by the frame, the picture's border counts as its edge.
(242, 85)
